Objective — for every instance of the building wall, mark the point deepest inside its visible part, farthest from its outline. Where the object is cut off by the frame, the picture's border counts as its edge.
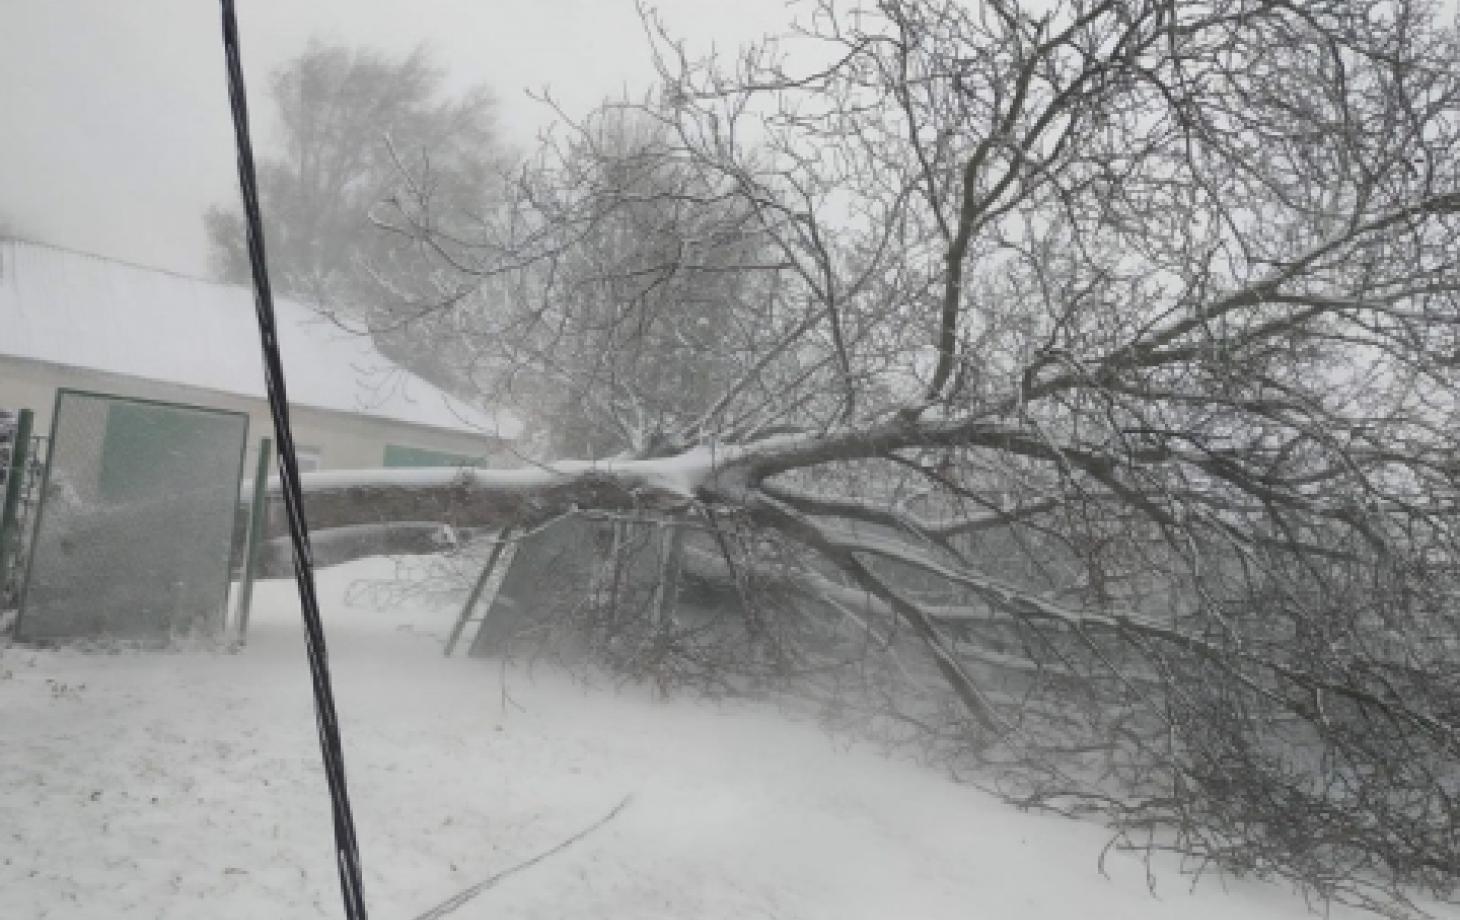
(338, 440)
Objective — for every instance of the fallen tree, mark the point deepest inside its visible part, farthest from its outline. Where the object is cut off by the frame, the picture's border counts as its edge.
(1170, 506)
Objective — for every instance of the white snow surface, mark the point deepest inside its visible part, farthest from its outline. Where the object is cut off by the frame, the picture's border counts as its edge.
(79, 310)
(187, 784)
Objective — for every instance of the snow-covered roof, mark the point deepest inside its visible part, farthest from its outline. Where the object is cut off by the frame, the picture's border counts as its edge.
(85, 311)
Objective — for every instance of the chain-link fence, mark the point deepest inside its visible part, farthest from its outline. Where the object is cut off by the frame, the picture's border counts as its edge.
(22, 462)
(134, 532)
(551, 570)
(664, 598)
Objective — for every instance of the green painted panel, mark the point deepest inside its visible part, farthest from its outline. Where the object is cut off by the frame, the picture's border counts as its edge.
(397, 455)
(149, 448)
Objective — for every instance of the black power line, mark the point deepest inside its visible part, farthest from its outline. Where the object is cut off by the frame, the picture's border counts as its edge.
(347, 853)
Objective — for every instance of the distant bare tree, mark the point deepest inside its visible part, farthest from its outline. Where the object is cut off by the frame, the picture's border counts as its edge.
(1100, 358)
(352, 123)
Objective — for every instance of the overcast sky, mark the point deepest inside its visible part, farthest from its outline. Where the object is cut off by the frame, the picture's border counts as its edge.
(114, 131)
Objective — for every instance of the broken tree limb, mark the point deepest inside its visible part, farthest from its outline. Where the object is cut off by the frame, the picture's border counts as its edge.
(452, 903)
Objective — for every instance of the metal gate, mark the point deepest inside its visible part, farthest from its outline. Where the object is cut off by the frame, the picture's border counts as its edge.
(22, 463)
(134, 532)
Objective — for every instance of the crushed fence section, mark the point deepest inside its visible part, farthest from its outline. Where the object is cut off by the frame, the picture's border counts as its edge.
(134, 532)
(610, 579)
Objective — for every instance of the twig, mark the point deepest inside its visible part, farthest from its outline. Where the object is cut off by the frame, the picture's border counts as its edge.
(460, 898)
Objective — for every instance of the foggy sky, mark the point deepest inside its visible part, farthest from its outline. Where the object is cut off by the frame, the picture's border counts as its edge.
(114, 126)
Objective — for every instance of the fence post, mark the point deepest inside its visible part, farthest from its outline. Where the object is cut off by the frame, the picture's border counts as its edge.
(255, 536)
(476, 591)
(14, 483)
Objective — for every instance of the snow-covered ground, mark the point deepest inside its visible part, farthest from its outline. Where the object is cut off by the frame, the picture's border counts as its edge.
(187, 785)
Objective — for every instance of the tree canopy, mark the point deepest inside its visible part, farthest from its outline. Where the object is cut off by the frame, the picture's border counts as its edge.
(1098, 358)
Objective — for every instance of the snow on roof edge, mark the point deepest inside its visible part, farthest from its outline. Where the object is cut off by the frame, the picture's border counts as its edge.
(79, 309)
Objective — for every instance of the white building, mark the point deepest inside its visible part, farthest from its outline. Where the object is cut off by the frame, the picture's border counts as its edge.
(84, 322)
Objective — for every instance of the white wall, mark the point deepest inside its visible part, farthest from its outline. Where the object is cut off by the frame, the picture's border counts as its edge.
(344, 441)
